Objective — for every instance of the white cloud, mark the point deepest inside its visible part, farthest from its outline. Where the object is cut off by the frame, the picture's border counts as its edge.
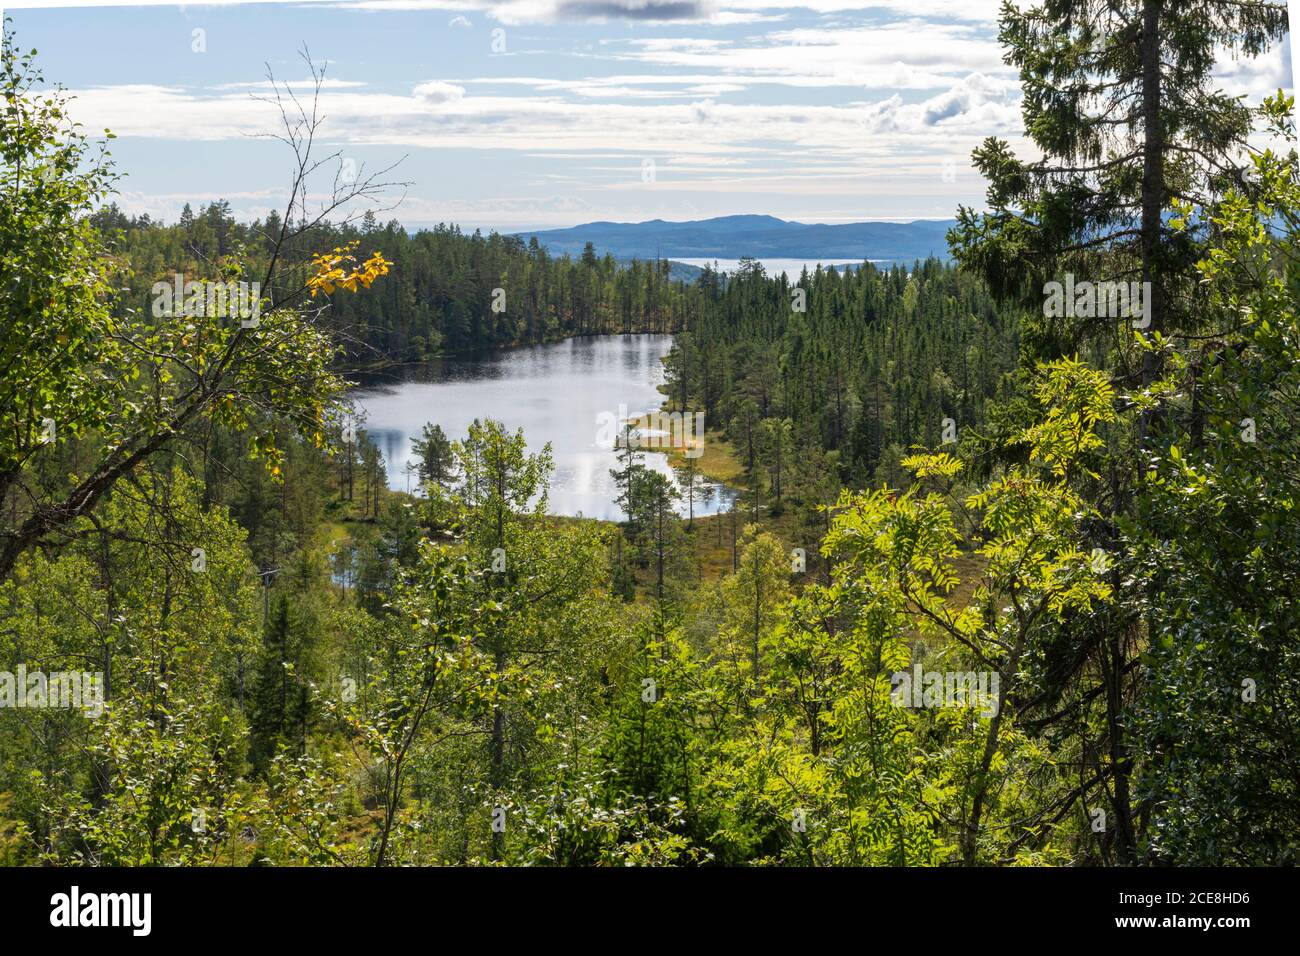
(297, 86)
(970, 95)
(971, 11)
(437, 92)
(167, 206)
(1257, 77)
(909, 54)
(703, 127)
(719, 12)
(833, 107)
(517, 12)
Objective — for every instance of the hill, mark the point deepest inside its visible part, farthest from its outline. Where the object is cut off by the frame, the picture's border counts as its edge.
(731, 237)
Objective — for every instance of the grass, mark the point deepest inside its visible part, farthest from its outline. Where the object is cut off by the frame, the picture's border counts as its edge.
(717, 462)
(713, 539)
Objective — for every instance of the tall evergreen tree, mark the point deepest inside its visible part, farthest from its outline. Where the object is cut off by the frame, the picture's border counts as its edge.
(434, 452)
(1120, 98)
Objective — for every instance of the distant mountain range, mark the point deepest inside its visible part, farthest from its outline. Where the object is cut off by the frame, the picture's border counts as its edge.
(762, 237)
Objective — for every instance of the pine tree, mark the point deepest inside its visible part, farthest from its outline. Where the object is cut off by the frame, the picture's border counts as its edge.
(434, 451)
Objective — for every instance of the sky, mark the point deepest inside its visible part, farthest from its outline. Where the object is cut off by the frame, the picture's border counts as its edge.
(525, 114)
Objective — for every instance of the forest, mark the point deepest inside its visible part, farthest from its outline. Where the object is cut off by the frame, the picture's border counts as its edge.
(1004, 586)
(438, 300)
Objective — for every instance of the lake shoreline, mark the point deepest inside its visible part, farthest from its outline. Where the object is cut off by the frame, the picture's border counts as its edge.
(571, 394)
(487, 349)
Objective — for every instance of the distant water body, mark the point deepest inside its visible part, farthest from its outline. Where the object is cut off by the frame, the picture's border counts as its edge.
(791, 267)
(556, 393)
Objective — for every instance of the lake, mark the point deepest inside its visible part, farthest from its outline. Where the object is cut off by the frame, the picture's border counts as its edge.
(560, 393)
(792, 268)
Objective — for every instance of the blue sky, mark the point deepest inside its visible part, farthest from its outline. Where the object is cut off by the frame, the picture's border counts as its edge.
(533, 113)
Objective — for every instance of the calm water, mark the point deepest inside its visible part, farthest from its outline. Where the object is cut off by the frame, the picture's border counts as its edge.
(791, 267)
(556, 393)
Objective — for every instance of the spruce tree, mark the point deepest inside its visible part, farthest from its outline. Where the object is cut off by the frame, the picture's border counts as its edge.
(1120, 98)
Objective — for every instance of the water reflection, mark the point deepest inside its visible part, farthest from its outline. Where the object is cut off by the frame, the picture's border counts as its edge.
(555, 392)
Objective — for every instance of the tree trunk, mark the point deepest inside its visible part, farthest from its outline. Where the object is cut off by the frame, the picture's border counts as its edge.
(1153, 185)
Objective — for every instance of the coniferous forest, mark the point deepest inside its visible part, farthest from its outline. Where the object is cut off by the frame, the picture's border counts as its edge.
(1002, 585)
